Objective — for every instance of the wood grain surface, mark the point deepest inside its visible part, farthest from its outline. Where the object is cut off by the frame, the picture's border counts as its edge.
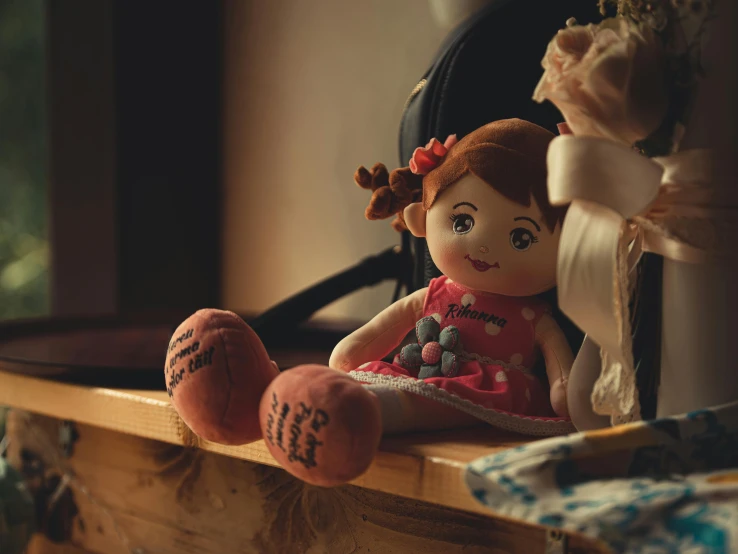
(425, 466)
(135, 494)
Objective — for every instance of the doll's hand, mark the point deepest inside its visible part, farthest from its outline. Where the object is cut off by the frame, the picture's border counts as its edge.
(345, 356)
(558, 358)
(558, 397)
(380, 336)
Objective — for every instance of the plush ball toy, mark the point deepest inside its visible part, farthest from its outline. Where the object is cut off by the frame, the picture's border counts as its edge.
(321, 424)
(216, 372)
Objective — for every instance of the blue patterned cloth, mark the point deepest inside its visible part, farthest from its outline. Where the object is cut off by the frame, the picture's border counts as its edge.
(659, 487)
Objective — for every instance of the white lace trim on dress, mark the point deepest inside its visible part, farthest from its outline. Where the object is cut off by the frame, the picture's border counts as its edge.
(526, 425)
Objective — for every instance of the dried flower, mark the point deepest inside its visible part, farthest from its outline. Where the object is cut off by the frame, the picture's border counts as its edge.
(608, 80)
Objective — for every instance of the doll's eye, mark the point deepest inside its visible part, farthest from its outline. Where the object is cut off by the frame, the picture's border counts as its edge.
(521, 239)
(463, 223)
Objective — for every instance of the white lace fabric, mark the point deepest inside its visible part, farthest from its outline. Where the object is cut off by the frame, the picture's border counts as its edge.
(526, 425)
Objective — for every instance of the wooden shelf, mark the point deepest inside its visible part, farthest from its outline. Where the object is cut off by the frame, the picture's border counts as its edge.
(425, 467)
(146, 484)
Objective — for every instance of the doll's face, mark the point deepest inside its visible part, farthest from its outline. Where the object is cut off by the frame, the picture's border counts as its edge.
(484, 241)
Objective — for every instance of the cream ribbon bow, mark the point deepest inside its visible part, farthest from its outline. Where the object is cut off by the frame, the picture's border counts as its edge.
(621, 204)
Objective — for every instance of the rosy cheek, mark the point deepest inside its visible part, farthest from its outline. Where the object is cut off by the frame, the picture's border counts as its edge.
(446, 251)
(534, 271)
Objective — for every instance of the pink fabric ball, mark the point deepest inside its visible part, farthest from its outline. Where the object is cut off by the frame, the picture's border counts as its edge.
(216, 372)
(321, 425)
(432, 353)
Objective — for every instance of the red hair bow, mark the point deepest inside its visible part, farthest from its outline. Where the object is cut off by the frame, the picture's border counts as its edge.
(564, 129)
(426, 159)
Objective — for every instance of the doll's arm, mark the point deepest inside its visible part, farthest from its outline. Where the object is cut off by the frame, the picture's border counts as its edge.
(584, 373)
(381, 335)
(558, 358)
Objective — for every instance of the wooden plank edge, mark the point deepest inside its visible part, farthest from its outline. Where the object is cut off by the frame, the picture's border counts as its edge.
(430, 479)
(436, 480)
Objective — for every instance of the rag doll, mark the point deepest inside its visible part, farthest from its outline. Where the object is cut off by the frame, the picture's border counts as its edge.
(482, 206)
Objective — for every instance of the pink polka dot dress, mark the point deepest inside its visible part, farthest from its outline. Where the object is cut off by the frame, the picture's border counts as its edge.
(496, 351)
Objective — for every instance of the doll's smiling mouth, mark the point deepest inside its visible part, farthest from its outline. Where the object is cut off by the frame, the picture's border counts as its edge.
(480, 265)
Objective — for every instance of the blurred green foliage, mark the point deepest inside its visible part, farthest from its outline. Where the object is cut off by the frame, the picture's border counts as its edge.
(24, 253)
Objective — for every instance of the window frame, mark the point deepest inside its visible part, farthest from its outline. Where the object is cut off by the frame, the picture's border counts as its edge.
(134, 180)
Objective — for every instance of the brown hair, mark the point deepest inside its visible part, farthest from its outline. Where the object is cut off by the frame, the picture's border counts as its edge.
(509, 155)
